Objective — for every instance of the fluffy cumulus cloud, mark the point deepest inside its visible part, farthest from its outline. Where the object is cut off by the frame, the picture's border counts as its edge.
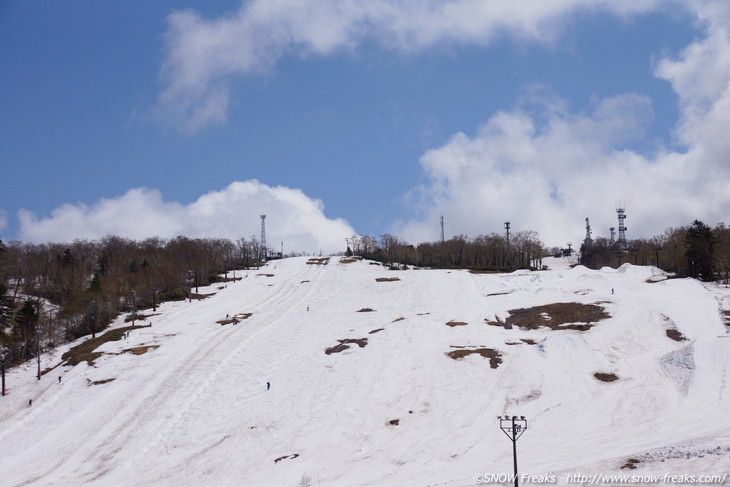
(546, 169)
(202, 55)
(234, 212)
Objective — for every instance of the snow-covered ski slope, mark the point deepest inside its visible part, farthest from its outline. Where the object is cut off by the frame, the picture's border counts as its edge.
(398, 411)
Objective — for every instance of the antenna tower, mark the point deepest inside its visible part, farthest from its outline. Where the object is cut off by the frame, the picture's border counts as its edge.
(621, 227)
(613, 235)
(588, 231)
(263, 235)
(442, 229)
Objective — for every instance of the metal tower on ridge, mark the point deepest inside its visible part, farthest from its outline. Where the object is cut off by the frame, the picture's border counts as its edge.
(621, 227)
(588, 231)
(442, 229)
(263, 235)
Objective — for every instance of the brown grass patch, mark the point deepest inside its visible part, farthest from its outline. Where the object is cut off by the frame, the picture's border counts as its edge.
(375, 330)
(477, 271)
(676, 335)
(200, 296)
(630, 464)
(350, 260)
(265, 275)
(365, 310)
(84, 352)
(140, 350)
(235, 320)
(456, 323)
(394, 422)
(387, 279)
(398, 319)
(494, 356)
(528, 341)
(345, 344)
(228, 279)
(579, 317)
(726, 316)
(98, 382)
(422, 314)
(320, 261)
(605, 376)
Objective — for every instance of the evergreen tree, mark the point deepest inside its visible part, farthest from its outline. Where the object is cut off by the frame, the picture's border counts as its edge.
(700, 251)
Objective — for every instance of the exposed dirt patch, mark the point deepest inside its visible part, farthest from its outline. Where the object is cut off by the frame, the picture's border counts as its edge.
(375, 330)
(228, 279)
(605, 376)
(98, 382)
(140, 350)
(578, 316)
(200, 296)
(726, 316)
(456, 323)
(494, 356)
(676, 335)
(528, 341)
(84, 352)
(350, 260)
(345, 344)
(139, 317)
(365, 310)
(235, 319)
(265, 275)
(320, 261)
(285, 457)
(387, 279)
(422, 314)
(398, 319)
(477, 271)
(499, 294)
(394, 422)
(304, 282)
(630, 464)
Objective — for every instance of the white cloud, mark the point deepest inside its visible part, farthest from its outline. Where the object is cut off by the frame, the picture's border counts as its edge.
(203, 54)
(549, 171)
(234, 212)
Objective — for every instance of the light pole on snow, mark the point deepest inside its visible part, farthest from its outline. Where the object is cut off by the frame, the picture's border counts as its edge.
(513, 427)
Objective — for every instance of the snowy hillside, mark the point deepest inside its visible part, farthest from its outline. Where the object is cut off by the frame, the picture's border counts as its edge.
(371, 398)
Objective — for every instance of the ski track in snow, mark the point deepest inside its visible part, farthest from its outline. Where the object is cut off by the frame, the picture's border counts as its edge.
(398, 411)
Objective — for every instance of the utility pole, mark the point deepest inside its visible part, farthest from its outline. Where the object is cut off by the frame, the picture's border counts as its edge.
(442, 229)
(513, 428)
(134, 306)
(3, 354)
(509, 253)
(38, 341)
(263, 236)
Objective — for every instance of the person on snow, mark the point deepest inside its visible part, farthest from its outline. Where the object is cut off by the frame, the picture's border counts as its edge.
(268, 386)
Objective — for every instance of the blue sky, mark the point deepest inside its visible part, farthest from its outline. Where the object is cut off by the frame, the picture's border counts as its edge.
(334, 118)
